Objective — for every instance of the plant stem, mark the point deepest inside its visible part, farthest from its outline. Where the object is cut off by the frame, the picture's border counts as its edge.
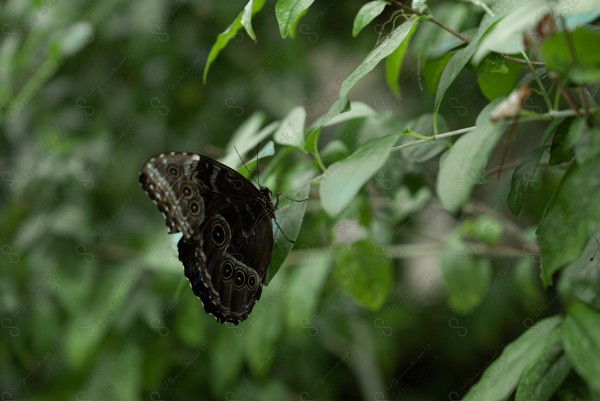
(319, 161)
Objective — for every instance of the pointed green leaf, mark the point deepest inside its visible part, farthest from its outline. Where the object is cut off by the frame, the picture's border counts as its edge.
(565, 135)
(288, 13)
(522, 178)
(499, 380)
(312, 142)
(291, 129)
(286, 226)
(463, 165)
(251, 9)
(546, 374)
(570, 219)
(342, 180)
(229, 33)
(582, 342)
(384, 49)
(366, 14)
(393, 63)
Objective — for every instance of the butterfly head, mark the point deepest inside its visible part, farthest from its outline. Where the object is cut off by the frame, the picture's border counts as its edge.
(266, 192)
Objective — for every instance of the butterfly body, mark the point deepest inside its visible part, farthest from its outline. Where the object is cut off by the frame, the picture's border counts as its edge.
(226, 227)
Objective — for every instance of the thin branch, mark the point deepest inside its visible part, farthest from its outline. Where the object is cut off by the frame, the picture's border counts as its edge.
(551, 115)
(434, 20)
(524, 62)
(433, 138)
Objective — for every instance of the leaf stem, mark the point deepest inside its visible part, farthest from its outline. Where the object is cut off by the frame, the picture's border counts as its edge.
(319, 161)
(552, 114)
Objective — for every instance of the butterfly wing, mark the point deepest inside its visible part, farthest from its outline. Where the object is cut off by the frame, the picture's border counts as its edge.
(226, 225)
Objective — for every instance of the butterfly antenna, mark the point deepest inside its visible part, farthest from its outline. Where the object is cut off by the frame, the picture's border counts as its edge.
(257, 170)
(246, 167)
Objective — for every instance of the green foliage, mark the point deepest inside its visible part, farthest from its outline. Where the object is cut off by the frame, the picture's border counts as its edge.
(366, 14)
(407, 264)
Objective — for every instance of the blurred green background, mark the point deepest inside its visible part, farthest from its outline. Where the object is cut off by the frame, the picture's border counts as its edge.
(93, 301)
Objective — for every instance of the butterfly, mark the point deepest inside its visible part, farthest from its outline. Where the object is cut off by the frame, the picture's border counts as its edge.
(226, 226)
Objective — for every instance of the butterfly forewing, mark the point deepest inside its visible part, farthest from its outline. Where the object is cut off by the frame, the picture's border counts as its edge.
(226, 225)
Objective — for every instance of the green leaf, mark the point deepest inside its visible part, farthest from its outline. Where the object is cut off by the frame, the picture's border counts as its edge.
(393, 63)
(500, 379)
(364, 273)
(306, 282)
(432, 71)
(587, 141)
(224, 37)
(312, 142)
(582, 342)
(366, 14)
(466, 277)
(342, 180)
(463, 165)
(557, 53)
(522, 178)
(561, 150)
(247, 14)
(579, 280)
(571, 218)
(497, 77)
(339, 107)
(550, 129)
(288, 220)
(385, 48)
(456, 64)
(291, 129)
(546, 374)
(507, 36)
(288, 13)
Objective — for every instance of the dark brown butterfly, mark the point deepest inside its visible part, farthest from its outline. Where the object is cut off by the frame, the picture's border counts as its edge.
(226, 223)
